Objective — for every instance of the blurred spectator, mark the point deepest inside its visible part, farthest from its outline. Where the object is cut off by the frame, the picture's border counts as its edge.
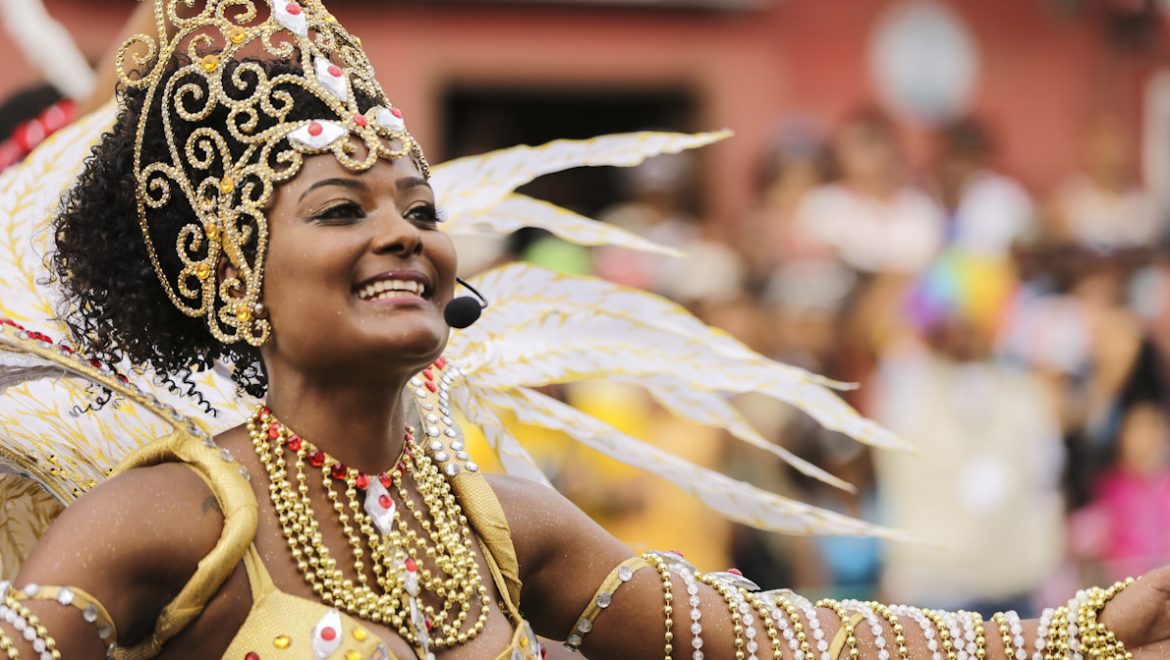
(27, 118)
(987, 212)
(793, 165)
(870, 217)
(657, 210)
(1126, 527)
(1104, 206)
(984, 483)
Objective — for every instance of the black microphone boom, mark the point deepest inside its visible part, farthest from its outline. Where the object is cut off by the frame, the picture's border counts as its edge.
(464, 310)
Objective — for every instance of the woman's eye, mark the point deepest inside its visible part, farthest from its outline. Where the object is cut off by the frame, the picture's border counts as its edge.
(342, 211)
(426, 213)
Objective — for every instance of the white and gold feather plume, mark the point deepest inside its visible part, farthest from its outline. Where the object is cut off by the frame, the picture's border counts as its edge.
(543, 328)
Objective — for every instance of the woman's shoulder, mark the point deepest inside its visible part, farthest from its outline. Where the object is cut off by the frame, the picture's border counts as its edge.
(155, 522)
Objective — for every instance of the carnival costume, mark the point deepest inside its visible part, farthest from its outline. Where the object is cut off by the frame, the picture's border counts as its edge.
(68, 422)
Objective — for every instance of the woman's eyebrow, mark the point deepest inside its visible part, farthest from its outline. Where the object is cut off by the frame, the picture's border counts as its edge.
(343, 182)
(406, 183)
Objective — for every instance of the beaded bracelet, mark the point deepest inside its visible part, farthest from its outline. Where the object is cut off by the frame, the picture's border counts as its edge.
(794, 634)
(1042, 633)
(92, 611)
(844, 634)
(875, 625)
(29, 626)
(766, 616)
(8, 647)
(928, 631)
(667, 597)
(1017, 630)
(728, 593)
(749, 624)
(895, 626)
(620, 575)
(692, 586)
(814, 625)
(944, 634)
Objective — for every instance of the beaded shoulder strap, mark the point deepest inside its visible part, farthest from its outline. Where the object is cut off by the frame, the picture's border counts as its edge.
(241, 516)
(431, 390)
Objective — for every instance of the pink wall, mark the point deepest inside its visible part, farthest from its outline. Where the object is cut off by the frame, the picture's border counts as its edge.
(1042, 74)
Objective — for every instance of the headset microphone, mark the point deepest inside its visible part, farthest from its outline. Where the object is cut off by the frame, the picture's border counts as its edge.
(464, 310)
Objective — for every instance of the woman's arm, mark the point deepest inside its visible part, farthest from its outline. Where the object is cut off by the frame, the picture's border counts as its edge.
(131, 544)
(564, 558)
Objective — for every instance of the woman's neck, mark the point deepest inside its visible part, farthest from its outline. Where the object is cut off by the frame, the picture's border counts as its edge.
(359, 425)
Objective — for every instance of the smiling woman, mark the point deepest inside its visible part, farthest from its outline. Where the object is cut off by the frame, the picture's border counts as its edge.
(258, 209)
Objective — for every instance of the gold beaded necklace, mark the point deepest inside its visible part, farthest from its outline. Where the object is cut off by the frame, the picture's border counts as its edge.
(440, 561)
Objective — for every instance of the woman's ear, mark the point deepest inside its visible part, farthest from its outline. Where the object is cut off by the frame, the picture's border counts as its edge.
(226, 271)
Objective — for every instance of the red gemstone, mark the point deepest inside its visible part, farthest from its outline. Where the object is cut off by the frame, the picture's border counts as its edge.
(385, 479)
(252, 655)
(409, 438)
(385, 502)
(396, 112)
(543, 653)
(122, 378)
(411, 565)
(362, 481)
(316, 129)
(334, 70)
(328, 634)
(294, 443)
(317, 458)
(293, 8)
(735, 571)
(67, 349)
(360, 120)
(431, 386)
(274, 431)
(428, 375)
(264, 412)
(96, 364)
(339, 471)
(430, 624)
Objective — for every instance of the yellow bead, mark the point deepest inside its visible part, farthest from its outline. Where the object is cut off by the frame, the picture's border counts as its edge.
(282, 642)
(227, 185)
(353, 655)
(243, 314)
(212, 232)
(203, 271)
(360, 634)
(210, 63)
(237, 35)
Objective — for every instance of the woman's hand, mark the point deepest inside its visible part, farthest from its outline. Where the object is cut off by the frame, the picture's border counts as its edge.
(1140, 615)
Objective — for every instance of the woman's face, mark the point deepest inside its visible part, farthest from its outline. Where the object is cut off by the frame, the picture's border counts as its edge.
(357, 273)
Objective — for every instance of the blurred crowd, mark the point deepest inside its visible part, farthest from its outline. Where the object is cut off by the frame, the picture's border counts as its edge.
(1017, 338)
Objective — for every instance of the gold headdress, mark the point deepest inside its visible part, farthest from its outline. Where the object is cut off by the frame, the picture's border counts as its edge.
(232, 131)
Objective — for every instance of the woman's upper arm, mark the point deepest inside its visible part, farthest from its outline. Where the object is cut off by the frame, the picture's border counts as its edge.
(131, 543)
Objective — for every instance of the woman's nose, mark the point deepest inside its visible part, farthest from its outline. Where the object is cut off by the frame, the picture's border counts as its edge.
(397, 235)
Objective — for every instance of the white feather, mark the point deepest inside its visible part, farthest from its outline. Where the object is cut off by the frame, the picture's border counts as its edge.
(478, 183)
(519, 211)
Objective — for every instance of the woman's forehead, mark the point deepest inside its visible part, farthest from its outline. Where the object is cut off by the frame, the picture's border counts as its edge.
(384, 173)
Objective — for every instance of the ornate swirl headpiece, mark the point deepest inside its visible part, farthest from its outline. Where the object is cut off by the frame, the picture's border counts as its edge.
(221, 85)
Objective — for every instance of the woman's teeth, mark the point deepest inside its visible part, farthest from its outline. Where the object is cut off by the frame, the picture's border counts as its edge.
(389, 289)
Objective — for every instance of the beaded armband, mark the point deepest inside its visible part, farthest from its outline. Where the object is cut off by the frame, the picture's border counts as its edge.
(15, 614)
(663, 569)
(620, 575)
(92, 611)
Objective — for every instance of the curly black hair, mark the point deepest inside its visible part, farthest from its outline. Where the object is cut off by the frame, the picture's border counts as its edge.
(113, 303)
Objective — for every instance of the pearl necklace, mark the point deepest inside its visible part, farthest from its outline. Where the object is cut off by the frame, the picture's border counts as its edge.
(441, 561)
